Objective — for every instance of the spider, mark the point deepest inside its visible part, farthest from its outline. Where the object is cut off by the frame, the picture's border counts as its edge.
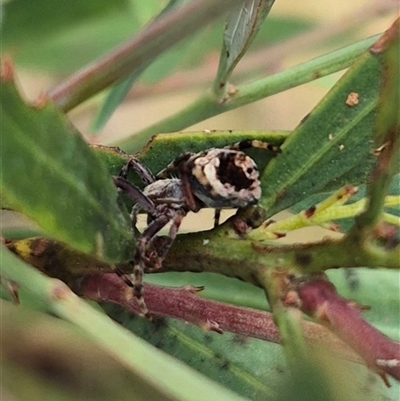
(217, 178)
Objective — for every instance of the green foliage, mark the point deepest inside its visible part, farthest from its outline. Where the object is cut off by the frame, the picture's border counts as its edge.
(61, 184)
(334, 141)
(53, 177)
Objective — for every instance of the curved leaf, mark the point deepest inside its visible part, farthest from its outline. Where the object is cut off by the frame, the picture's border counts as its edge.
(242, 25)
(51, 175)
(164, 148)
(333, 146)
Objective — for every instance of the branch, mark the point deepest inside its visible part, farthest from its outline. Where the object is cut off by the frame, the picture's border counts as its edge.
(318, 298)
(185, 304)
(208, 105)
(144, 47)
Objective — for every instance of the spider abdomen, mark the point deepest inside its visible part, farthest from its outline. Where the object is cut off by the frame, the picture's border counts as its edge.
(224, 178)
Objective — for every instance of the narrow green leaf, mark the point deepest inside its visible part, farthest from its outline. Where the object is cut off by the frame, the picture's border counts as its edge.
(164, 148)
(208, 106)
(242, 26)
(333, 146)
(52, 176)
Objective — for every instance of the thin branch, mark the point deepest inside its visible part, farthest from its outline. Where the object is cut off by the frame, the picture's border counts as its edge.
(183, 303)
(266, 58)
(208, 105)
(144, 47)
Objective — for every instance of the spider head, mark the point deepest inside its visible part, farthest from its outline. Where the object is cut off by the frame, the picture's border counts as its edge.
(223, 178)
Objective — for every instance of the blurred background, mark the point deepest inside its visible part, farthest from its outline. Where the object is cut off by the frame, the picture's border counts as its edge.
(49, 40)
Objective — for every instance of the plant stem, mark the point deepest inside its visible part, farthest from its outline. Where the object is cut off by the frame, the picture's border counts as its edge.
(143, 48)
(208, 105)
(185, 304)
(248, 260)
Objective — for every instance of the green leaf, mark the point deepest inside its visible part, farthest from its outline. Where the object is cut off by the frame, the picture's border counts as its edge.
(242, 26)
(42, 33)
(164, 148)
(52, 176)
(332, 147)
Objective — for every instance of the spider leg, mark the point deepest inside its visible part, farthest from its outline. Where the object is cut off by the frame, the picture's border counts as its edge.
(139, 262)
(162, 251)
(135, 194)
(217, 215)
(247, 144)
(141, 170)
(174, 165)
(191, 202)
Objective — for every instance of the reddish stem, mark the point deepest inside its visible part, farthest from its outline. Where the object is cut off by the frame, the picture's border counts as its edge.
(320, 300)
(182, 303)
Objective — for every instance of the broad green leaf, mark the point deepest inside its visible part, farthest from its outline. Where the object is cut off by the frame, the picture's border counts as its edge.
(51, 175)
(242, 26)
(164, 148)
(333, 146)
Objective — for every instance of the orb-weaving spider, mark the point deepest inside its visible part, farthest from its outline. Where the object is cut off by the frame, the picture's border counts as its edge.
(216, 178)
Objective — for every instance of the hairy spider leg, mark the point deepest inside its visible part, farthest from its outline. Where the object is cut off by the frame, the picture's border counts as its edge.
(138, 264)
(141, 170)
(142, 202)
(253, 143)
(167, 242)
(135, 194)
(217, 216)
(179, 165)
(140, 257)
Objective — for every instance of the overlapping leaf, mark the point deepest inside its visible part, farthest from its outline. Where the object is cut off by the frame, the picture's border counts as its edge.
(52, 176)
(242, 26)
(333, 146)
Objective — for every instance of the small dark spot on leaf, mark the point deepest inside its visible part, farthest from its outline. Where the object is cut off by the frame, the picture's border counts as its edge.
(310, 211)
(352, 279)
(303, 259)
